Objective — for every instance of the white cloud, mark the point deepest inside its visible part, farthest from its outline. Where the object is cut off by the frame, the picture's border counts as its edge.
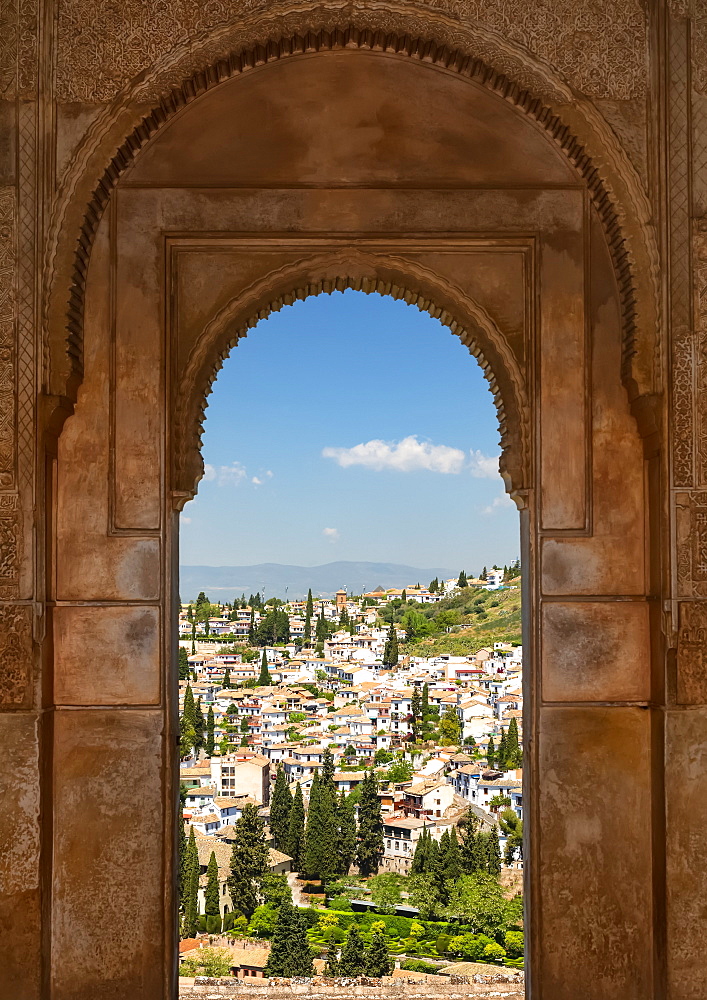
(332, 534)
(498, 504)
(269, 474)
(258, 482)
(185, 520)
(483, 466)
(408, 455)
(224, 475)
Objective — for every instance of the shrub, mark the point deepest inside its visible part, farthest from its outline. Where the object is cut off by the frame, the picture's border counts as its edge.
(442, 943)
(416, 965)
(213, 924)
(514, 944)
(201, 923)
(339, 903)
(228, 919)
(207, 962)
(493, 952)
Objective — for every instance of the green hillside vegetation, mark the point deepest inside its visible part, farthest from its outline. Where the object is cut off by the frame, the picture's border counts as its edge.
(489, 616)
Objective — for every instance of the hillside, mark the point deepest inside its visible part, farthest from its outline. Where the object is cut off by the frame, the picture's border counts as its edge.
(224, 583)
(486, 617)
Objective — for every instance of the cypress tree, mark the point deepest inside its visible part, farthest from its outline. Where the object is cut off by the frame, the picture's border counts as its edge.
(227, 678)
(415, 713)
(295, 835)
(280, 807)
(493, 853)
(353, 956)
(264, 680)
(308, 618)
(183, 664)
(210, 741)
(199, 725)
(452, 862)
(369, 850)
(404, 596)
(312, 834)
(378, 962)
(328, 769)
(479, 853)
(514, 753)
(420, 859)
(390, 652)
(502, 752)
(249, 861)
(346, 823)
(425, 699)
(331, 968)
(491, 754)
(191, 894)
(251, 626)
(277, 964)
(189, 709)
(212, 896)
(182, 847)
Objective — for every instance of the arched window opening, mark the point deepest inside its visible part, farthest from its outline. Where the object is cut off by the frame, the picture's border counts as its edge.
(350, 653)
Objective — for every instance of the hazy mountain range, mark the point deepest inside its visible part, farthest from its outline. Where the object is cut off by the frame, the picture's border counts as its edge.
(276, 580)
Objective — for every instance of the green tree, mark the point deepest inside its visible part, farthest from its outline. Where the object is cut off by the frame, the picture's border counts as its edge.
(212, 895)
(491, 753)
(415, 714)
(478, 900)
(425, 699)
(377, 962)
(514, 754)
(449, 725)
(452, 862)
(321, 839)
(280, 807)
(385, 892)
(183, 664)
(512, 828)
(322, 628)
(290, 955)
(352, 962)
(390, 651)
(262, 923)
(346, 829)
(249, 860)
(493, 853)
(421, 857)
(199, 725)
(328, 769)
(462, 581)
(251, 625)
(502, 751)
(264, 680)
(191, 892)
(210, 741)
(308, 618)
(423, 893)
(369, 851)
(227, 678)
(295, 835)
(275, 890)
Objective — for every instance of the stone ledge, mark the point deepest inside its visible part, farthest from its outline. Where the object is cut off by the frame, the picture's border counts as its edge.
(504, 985)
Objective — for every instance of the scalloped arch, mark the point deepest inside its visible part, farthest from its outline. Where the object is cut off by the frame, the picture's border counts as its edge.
(369, 273)
(65, 372)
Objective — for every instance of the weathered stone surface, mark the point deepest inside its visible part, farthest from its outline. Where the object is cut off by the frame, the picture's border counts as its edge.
(109, 906)
(595, 651)
(107, 655)
(20, 916)
(596, 909)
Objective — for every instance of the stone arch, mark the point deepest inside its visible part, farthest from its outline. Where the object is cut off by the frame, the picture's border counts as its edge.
(519, 79)
(371, 274)
(153, 327)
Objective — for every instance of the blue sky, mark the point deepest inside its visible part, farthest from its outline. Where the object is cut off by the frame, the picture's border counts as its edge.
(350, 426)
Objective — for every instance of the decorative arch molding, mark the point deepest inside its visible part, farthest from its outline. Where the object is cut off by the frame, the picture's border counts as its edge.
(572, 122)
(369, 273)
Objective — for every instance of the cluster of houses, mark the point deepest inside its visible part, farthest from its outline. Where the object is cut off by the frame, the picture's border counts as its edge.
(346, 700)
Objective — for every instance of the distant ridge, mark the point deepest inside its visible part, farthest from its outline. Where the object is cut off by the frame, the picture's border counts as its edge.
(278, 580)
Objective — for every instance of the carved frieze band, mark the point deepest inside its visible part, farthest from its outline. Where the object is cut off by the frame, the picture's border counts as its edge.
(10, 511)
(691, 528)
(15, 655)
(692, 653)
